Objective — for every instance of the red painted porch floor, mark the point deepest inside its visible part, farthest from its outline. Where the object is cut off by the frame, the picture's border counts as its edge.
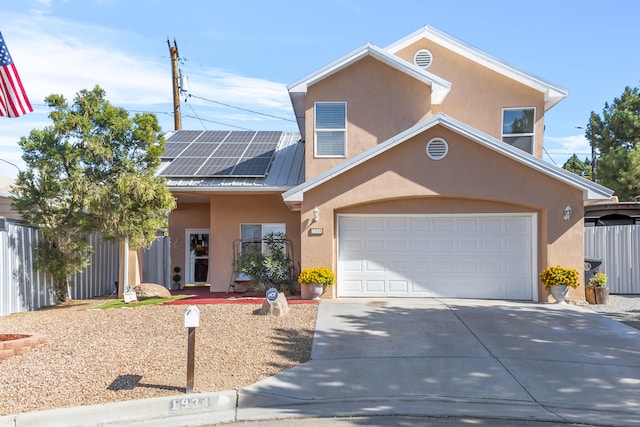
(202, 295)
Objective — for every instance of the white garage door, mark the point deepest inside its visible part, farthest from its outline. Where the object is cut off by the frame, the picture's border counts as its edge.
(460, 256)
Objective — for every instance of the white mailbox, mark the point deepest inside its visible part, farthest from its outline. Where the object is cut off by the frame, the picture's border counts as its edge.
(192, 317)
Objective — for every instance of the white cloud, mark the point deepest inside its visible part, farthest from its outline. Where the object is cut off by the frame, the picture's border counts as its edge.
(560, 148)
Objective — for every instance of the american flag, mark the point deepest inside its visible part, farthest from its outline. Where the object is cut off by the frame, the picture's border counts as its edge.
(13, 98)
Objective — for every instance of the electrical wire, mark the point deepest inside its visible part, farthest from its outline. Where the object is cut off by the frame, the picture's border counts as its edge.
(218, 123)
(242, 109)
(196, 114)
(549, 155)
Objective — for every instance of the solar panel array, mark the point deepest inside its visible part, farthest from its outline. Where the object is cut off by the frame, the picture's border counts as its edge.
(220, 153)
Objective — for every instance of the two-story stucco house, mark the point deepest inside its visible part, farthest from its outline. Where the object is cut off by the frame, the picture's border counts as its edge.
(417, 172)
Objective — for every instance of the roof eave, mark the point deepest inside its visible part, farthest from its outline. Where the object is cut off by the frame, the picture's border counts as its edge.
(590, 190)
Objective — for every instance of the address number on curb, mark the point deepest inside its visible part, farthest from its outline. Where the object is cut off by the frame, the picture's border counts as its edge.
(191, 403)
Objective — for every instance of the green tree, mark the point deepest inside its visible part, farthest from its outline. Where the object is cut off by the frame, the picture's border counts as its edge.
(93, 169)
(616, 136)
(577, 166)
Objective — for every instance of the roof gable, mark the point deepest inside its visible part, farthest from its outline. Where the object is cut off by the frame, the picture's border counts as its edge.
(297, 90)
(591, 190)
(552, 93)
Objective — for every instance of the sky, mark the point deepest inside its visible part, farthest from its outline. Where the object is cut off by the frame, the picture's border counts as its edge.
(239, 56)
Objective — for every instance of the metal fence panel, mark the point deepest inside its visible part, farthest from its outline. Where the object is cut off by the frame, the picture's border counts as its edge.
(619, 249)
(156, 262)
(22, 288)
(101, 274)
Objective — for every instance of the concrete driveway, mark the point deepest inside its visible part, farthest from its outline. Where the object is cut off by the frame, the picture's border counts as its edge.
(458, 357)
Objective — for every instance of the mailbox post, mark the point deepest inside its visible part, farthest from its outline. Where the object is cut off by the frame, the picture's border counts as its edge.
(191, 321)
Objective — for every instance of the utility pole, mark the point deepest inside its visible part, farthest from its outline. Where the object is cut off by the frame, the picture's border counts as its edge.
(175, 74)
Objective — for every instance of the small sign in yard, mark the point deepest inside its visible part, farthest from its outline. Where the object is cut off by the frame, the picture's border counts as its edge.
(130, 297)
(272, 294)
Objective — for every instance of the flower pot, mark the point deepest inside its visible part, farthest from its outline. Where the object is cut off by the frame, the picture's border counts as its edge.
(602, 294)
(597, 294)
(560, 293)
(311, 291)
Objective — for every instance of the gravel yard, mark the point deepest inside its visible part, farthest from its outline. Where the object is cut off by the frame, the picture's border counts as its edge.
(99, 356)
(623, 308)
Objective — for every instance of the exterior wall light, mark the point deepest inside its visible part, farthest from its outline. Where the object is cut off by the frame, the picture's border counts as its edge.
(567, 213)
(316, 214)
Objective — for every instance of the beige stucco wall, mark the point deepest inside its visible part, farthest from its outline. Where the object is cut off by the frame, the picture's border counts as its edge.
(471, 179)
(228, 212)
(6, 211)
(479, 94)
(185, 215)
(381, 102)
(223, 216)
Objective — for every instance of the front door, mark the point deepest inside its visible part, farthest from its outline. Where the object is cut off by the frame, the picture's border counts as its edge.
(197, 257)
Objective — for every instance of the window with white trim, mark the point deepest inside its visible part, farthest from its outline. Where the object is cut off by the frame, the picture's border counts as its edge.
(330, 129)
(517, 127)
(253, 235)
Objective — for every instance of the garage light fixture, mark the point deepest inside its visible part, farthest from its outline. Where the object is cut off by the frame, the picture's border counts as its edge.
(316, 214)
(567, 213)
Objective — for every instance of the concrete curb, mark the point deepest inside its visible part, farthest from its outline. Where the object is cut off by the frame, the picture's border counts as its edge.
(183, 410)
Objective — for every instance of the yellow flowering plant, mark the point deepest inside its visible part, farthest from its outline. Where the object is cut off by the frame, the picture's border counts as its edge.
(558, 276)
(319, 275)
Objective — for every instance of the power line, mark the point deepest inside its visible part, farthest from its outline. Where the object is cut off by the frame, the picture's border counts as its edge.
(549, 155)
(196, 114)
(242, 109)
(218, 123)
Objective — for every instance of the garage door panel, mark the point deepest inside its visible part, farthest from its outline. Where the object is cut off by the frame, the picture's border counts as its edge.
(433, 256)
(444, 246)
(353, 266)
(373, 266)
(374, 245)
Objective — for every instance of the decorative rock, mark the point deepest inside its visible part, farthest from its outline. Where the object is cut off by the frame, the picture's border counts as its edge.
(151, 290)
(280, 306)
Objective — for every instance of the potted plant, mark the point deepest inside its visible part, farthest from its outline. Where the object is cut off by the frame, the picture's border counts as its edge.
(313, 280)
(597, 292)
(559, 279)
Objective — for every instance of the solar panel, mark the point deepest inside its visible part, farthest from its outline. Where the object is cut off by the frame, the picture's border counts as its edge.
(218, 166)
(183, 166)
(213, 136)
(229, 149)
(220, 153)
(256, 150)
(172, 149)
(268, 136)
(184, 136)
(241, 136)
(256, 166)
(200, 149)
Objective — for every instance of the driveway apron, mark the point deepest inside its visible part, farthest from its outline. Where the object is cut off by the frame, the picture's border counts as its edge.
(505, 359)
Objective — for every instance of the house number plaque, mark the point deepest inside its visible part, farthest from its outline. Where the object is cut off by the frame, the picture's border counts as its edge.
(316, 231)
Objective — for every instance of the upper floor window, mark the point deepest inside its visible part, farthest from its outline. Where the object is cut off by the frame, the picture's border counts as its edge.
(517, 127)
(331, 129)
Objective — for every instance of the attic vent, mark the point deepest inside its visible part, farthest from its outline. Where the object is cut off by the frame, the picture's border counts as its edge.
(437, 149)
(423, 58)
